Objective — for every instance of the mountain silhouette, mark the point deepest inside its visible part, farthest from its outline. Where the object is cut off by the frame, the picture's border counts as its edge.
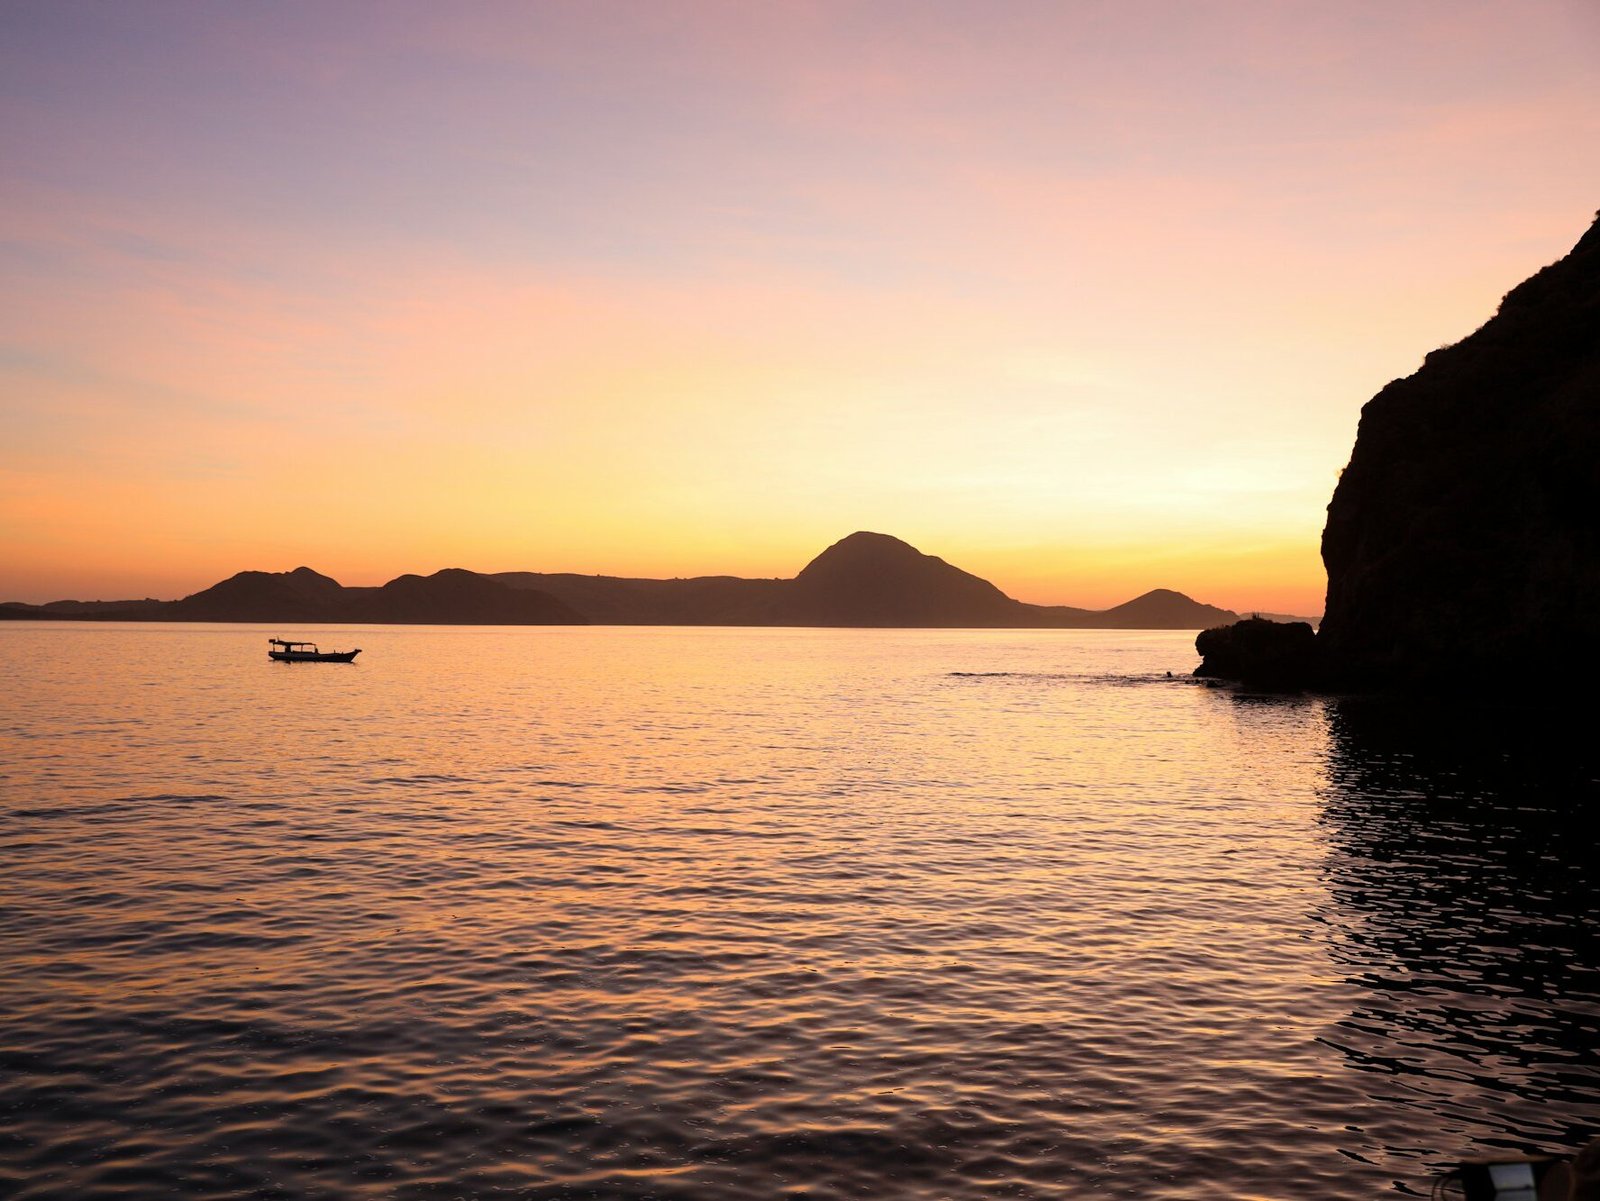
(875, 580)
(76, 610)
(449, 597)
(288, 596)
(1163, 609)
(455, 597)
(865, 580)
(719, 600)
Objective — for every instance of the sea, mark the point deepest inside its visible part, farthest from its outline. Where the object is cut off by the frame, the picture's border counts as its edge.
(751, 914)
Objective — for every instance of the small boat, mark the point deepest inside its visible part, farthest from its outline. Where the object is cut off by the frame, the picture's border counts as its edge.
(307, 652)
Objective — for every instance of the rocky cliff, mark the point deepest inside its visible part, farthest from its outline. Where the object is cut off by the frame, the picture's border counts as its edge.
(1464, 537)
(1463, 540)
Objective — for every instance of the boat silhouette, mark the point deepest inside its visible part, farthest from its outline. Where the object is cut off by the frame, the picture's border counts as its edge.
(307, 652)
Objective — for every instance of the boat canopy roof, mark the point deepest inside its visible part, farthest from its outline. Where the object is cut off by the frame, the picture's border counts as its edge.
(281, 642)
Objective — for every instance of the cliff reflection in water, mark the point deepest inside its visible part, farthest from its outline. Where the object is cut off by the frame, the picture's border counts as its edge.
(1463, 882)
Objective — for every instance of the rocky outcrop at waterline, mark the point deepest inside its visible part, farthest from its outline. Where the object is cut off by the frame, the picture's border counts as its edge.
(1261, 653)
(1463, 540)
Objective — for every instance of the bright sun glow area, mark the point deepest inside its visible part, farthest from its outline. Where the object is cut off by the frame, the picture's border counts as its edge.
(1083, 298)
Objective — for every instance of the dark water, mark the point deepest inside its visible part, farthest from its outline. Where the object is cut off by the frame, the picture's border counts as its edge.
(757, 914)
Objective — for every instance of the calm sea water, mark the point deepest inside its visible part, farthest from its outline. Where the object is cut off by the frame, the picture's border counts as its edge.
(628, 913)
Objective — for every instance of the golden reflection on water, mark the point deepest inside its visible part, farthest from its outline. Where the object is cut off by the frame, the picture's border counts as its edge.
(717, 913)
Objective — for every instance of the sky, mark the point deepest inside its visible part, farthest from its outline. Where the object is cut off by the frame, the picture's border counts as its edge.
(1082, 297)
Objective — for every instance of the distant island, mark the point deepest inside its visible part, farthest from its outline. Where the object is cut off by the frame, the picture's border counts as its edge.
(865, 580)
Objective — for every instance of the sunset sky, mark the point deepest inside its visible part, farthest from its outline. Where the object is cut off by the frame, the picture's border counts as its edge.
(1083, 297)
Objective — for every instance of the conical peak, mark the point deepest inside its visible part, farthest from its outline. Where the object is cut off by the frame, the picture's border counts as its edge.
(863, 549)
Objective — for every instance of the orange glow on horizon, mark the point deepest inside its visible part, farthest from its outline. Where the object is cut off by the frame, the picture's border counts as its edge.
(1084, 307)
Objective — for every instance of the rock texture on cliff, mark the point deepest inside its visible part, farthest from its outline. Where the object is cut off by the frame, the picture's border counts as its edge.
(1464, 537)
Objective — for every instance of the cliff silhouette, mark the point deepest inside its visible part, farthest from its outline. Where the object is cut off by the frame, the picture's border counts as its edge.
(865, 580)
(1463, 540)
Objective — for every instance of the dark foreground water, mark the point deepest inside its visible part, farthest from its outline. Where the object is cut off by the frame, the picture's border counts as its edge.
(626, 913)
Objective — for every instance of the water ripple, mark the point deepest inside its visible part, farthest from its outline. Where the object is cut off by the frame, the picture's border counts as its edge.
(611, 914)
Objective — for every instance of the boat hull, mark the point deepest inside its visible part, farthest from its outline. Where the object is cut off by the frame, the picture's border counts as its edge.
(317, 657)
